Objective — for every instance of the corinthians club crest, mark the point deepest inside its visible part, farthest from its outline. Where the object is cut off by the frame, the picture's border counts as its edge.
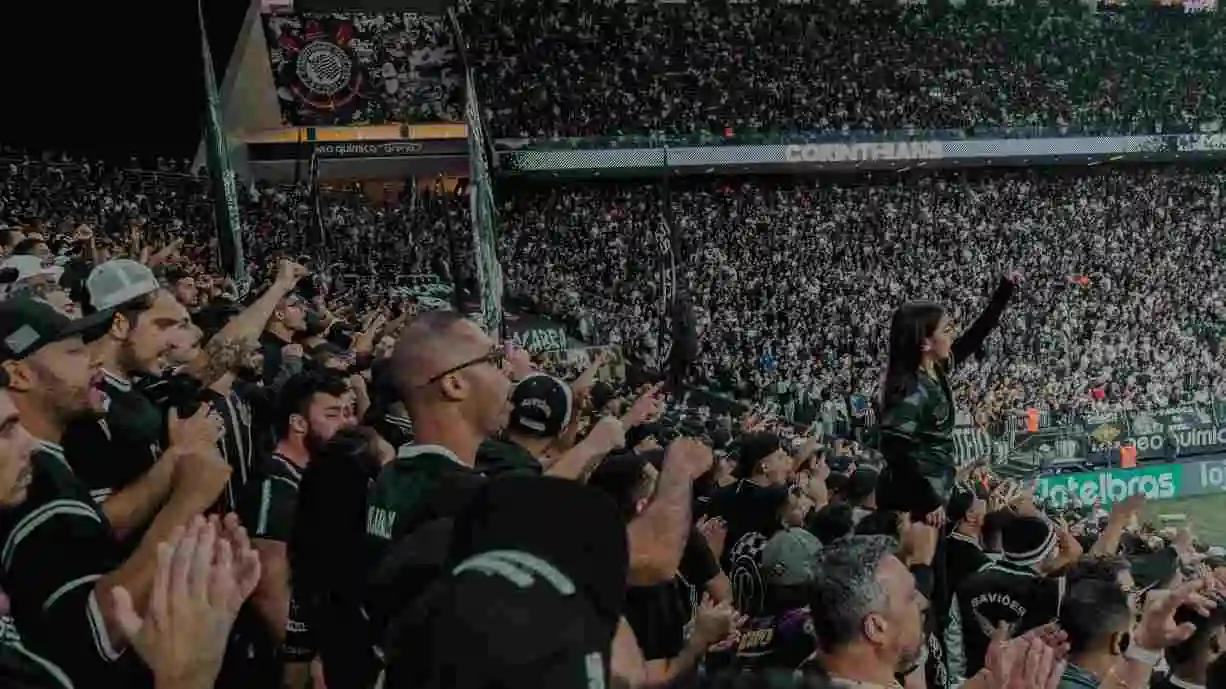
(324, 68)
(317, 71)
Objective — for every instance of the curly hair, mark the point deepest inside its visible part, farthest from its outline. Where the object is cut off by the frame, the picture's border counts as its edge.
(226, 354)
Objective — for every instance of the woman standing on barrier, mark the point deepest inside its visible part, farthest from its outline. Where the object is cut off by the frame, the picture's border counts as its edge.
(918, 411)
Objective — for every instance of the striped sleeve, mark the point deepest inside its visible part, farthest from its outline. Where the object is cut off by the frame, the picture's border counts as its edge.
(52, 558)
(267, 508)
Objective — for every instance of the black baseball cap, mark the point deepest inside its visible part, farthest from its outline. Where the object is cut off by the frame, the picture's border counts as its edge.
(754, 448)
(541, 405)
(28, 323)
(542, 604)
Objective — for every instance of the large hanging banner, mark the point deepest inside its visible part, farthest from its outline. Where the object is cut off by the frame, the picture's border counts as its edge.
(338, 69)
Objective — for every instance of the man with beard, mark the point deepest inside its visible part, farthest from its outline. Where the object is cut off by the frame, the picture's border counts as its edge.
(310, 409)
(18, 666)
(146, 326)
(61, 600)
(16, 448)
(112, 452)
(867, 612)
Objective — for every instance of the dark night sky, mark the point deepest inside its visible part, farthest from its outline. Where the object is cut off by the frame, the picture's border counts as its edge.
(114, 80)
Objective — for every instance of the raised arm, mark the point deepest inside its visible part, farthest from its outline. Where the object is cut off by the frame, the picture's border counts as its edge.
(972, 338)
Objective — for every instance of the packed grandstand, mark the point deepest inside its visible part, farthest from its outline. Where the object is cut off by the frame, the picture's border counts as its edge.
(706, 222)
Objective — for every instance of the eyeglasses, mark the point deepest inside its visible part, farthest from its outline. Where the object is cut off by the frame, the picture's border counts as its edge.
(496, 357)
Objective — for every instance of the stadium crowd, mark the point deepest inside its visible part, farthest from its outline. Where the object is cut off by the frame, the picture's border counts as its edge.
(797, 278)
(814, 67)
(315, 478)
(379, 476)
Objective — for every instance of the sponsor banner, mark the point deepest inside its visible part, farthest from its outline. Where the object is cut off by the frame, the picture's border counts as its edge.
(1205, 477)
(886, 150)
(1156, 482)
(1202, 142)
(330, 150)
(1165, 434)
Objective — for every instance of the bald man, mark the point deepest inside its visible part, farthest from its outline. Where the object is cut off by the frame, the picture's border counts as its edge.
(455, 383)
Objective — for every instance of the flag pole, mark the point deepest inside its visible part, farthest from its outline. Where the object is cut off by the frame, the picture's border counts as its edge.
(225, 190)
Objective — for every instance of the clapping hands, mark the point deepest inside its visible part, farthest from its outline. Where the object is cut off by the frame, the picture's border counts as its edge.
(204, 573)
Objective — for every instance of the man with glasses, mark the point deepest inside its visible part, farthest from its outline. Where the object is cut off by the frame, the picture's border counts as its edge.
(453, 380)
(455, 383)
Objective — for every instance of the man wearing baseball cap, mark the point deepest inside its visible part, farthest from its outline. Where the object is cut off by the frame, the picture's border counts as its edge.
(541, 406)
(141, 322)
(26, 271)
(61, 601)
(779, 638)
(541, 409)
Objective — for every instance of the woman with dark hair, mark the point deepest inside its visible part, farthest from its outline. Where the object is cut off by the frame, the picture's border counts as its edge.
(327, 553)
(917, 406)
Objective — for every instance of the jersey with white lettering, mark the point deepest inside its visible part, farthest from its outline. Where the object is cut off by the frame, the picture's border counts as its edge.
(1003, 592)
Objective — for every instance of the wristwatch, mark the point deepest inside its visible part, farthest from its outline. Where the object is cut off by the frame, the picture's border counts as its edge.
(1143, 656)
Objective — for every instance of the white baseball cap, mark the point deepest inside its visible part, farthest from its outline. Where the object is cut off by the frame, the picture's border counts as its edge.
(118, 282)
(28, 266)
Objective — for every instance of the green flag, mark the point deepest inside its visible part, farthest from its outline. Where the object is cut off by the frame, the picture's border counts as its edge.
(225, 188)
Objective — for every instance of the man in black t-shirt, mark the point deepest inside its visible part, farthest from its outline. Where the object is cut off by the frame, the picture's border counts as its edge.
(454, 381)
(288, 320)
(752, 509)
(239, 405)
(1011, 591)
(111, 453)
(58, 602)
(659, 614)
(310, 410)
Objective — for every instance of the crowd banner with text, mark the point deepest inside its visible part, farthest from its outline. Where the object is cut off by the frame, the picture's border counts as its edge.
(1173, 433)
(536, 334)
(1156, 481)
